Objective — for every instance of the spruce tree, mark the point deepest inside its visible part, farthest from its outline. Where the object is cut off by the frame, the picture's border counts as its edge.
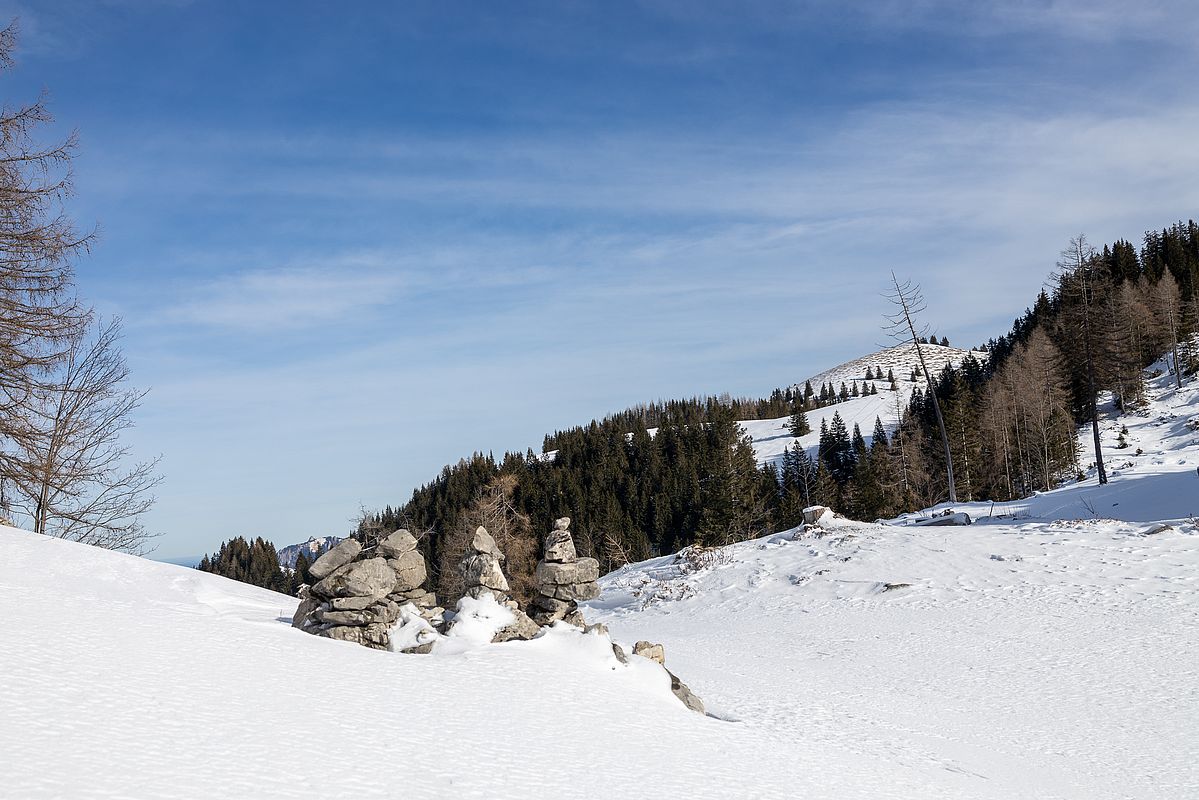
(798, 423)
(858, 443)
(879, 437)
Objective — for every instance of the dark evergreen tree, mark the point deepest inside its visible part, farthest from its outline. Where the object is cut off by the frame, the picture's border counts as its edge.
(879, 437)
(798, 425)
(858, 443)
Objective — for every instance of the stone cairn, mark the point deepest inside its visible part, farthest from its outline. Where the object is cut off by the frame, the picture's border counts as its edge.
(481, 569)
(562, 579)
(360, 591)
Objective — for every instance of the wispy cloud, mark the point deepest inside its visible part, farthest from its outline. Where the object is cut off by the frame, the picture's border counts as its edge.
(374, 295)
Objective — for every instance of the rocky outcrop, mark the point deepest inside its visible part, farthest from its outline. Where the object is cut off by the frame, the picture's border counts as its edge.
(813, 514)
(562, 579)
(654, 652)
(482, 573)
(657, 654)
(684, 694)
(361, 592)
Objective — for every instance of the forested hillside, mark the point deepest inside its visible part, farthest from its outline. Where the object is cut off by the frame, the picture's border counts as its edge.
(658, 477)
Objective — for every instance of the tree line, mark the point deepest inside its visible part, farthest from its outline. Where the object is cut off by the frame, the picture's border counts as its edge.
(257, 562)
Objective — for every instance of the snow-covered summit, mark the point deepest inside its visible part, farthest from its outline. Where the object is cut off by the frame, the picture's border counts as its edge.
(901, 360)
(771, 436)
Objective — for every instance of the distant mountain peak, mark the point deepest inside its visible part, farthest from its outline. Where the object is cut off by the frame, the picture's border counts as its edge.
(313, 548)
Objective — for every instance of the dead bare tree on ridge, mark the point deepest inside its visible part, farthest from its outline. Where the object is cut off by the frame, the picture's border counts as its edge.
(901, 326)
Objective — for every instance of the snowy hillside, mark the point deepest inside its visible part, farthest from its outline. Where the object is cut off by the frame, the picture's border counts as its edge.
(311, 548)
(125, 677)
(1039, 660)
(771, 437)
(901, 360)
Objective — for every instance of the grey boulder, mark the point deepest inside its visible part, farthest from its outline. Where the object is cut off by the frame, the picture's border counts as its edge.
(482, 542)
(409, 570)
(588, 570)
(550, 574)
(684, 694)
(371, 577)
(483, 569)
(560, 547)
(522, 628)
(337, 556)
(654, 652)
(396, 544)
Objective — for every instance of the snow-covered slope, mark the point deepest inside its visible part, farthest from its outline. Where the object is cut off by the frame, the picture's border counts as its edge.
(900, 359)
(124, 677)
(771, 437)
(1040, 660)
(1044, 652)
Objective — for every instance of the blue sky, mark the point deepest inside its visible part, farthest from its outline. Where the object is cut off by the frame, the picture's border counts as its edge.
(352, 243)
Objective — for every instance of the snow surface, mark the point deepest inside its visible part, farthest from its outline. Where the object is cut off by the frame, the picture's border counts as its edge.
(1050, 653)
(1041, 660)
(125, 677)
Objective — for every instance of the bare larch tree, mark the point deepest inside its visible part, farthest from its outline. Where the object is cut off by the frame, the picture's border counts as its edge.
(901, 326)
(62, 399)
(38, 243)
(75, 478)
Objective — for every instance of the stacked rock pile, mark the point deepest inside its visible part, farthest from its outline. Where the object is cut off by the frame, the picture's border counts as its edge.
(359, 591)
(562, 579)
(481, 569)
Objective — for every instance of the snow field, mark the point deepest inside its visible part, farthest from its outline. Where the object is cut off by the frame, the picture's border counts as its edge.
(1047, 660)
(129, 678)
